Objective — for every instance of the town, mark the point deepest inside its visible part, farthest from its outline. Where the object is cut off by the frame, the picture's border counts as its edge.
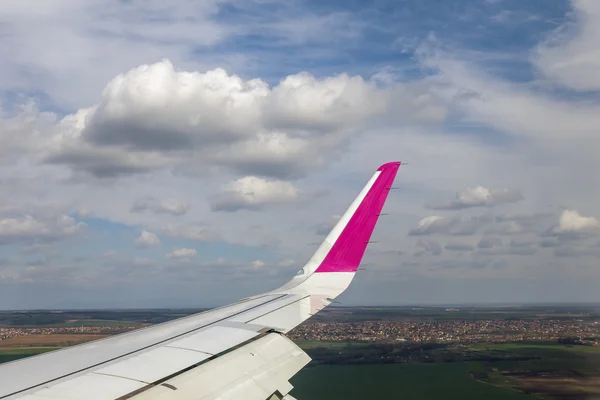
(10, 333)
(416, 331)
(450, 331)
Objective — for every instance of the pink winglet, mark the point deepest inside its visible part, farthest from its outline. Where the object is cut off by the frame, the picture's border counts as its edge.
(348, 249)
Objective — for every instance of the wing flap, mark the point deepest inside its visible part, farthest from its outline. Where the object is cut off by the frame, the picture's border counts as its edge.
(254, 371)
(154, 365)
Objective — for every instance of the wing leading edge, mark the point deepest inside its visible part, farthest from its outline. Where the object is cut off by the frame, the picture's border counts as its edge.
(236, 351)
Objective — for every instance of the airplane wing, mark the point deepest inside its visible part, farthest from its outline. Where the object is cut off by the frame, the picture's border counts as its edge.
(239, 351)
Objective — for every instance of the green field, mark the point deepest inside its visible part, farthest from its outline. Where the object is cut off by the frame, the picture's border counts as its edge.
(330, 344)
(7, 355)
(395, 381)
(546, 347)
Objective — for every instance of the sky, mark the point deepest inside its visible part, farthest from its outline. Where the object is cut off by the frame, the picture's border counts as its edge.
(192, 153)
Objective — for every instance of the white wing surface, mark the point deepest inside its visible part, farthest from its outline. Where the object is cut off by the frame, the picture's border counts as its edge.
(239, 351)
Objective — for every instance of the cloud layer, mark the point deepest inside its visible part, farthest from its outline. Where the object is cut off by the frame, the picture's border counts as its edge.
(122, 148)
(155, 116)
(254, 193)
(479, 196)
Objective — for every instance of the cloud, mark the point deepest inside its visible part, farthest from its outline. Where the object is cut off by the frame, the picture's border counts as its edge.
(182, 254)
(513, 110)
(566, 251)
(29, 229)
(166, 206)
(195, 233)
(479, 197)
(459, 247)
(470, 264)
(324, 228)
(140, 261)
(570, 55)
(505, 228)
(83, 212)
(432, 225)
(92, 33)
(180, 129)
(286, 263)
(436, 225)
(147, 239)
(155, 116)
(522, 247)
(489, 243)
(22, 130)
(549, 242)
(471, 225)
(571, 222)
(428, 247)
(535, 220)
(254, 193)
(257, 264)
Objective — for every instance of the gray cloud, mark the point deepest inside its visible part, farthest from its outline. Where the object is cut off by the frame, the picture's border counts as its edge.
(30, 230)
(457, 226)
(195, 233)
(522, 243)
(505, 228)
(522, 247)
(489, 243)
(165, 206)
(478, 263)
(428, 247)
(324, 228)
(536, 220)
(567, 251)
(432, 225)
(549, 242)
(479, 197)
(459, 247)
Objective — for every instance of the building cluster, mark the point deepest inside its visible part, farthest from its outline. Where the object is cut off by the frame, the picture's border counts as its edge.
(417, 331)
(8, 333)
(451, 331)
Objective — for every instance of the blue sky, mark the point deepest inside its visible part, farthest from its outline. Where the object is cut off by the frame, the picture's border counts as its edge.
(190, 153)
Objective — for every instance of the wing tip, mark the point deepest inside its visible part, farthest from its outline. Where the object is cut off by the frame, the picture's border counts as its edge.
(388, 165)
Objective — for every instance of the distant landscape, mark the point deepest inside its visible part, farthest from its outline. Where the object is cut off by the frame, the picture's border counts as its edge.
(515, 352)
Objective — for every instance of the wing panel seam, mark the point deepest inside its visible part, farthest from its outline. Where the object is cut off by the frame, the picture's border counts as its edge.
(279, 308)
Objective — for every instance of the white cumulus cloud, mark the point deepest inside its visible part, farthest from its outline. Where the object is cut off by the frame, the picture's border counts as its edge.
(572, 221)
(147, 239)
(156, 116)
(430, 225)
(182, 253)
(479, 196)
(254, 193)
